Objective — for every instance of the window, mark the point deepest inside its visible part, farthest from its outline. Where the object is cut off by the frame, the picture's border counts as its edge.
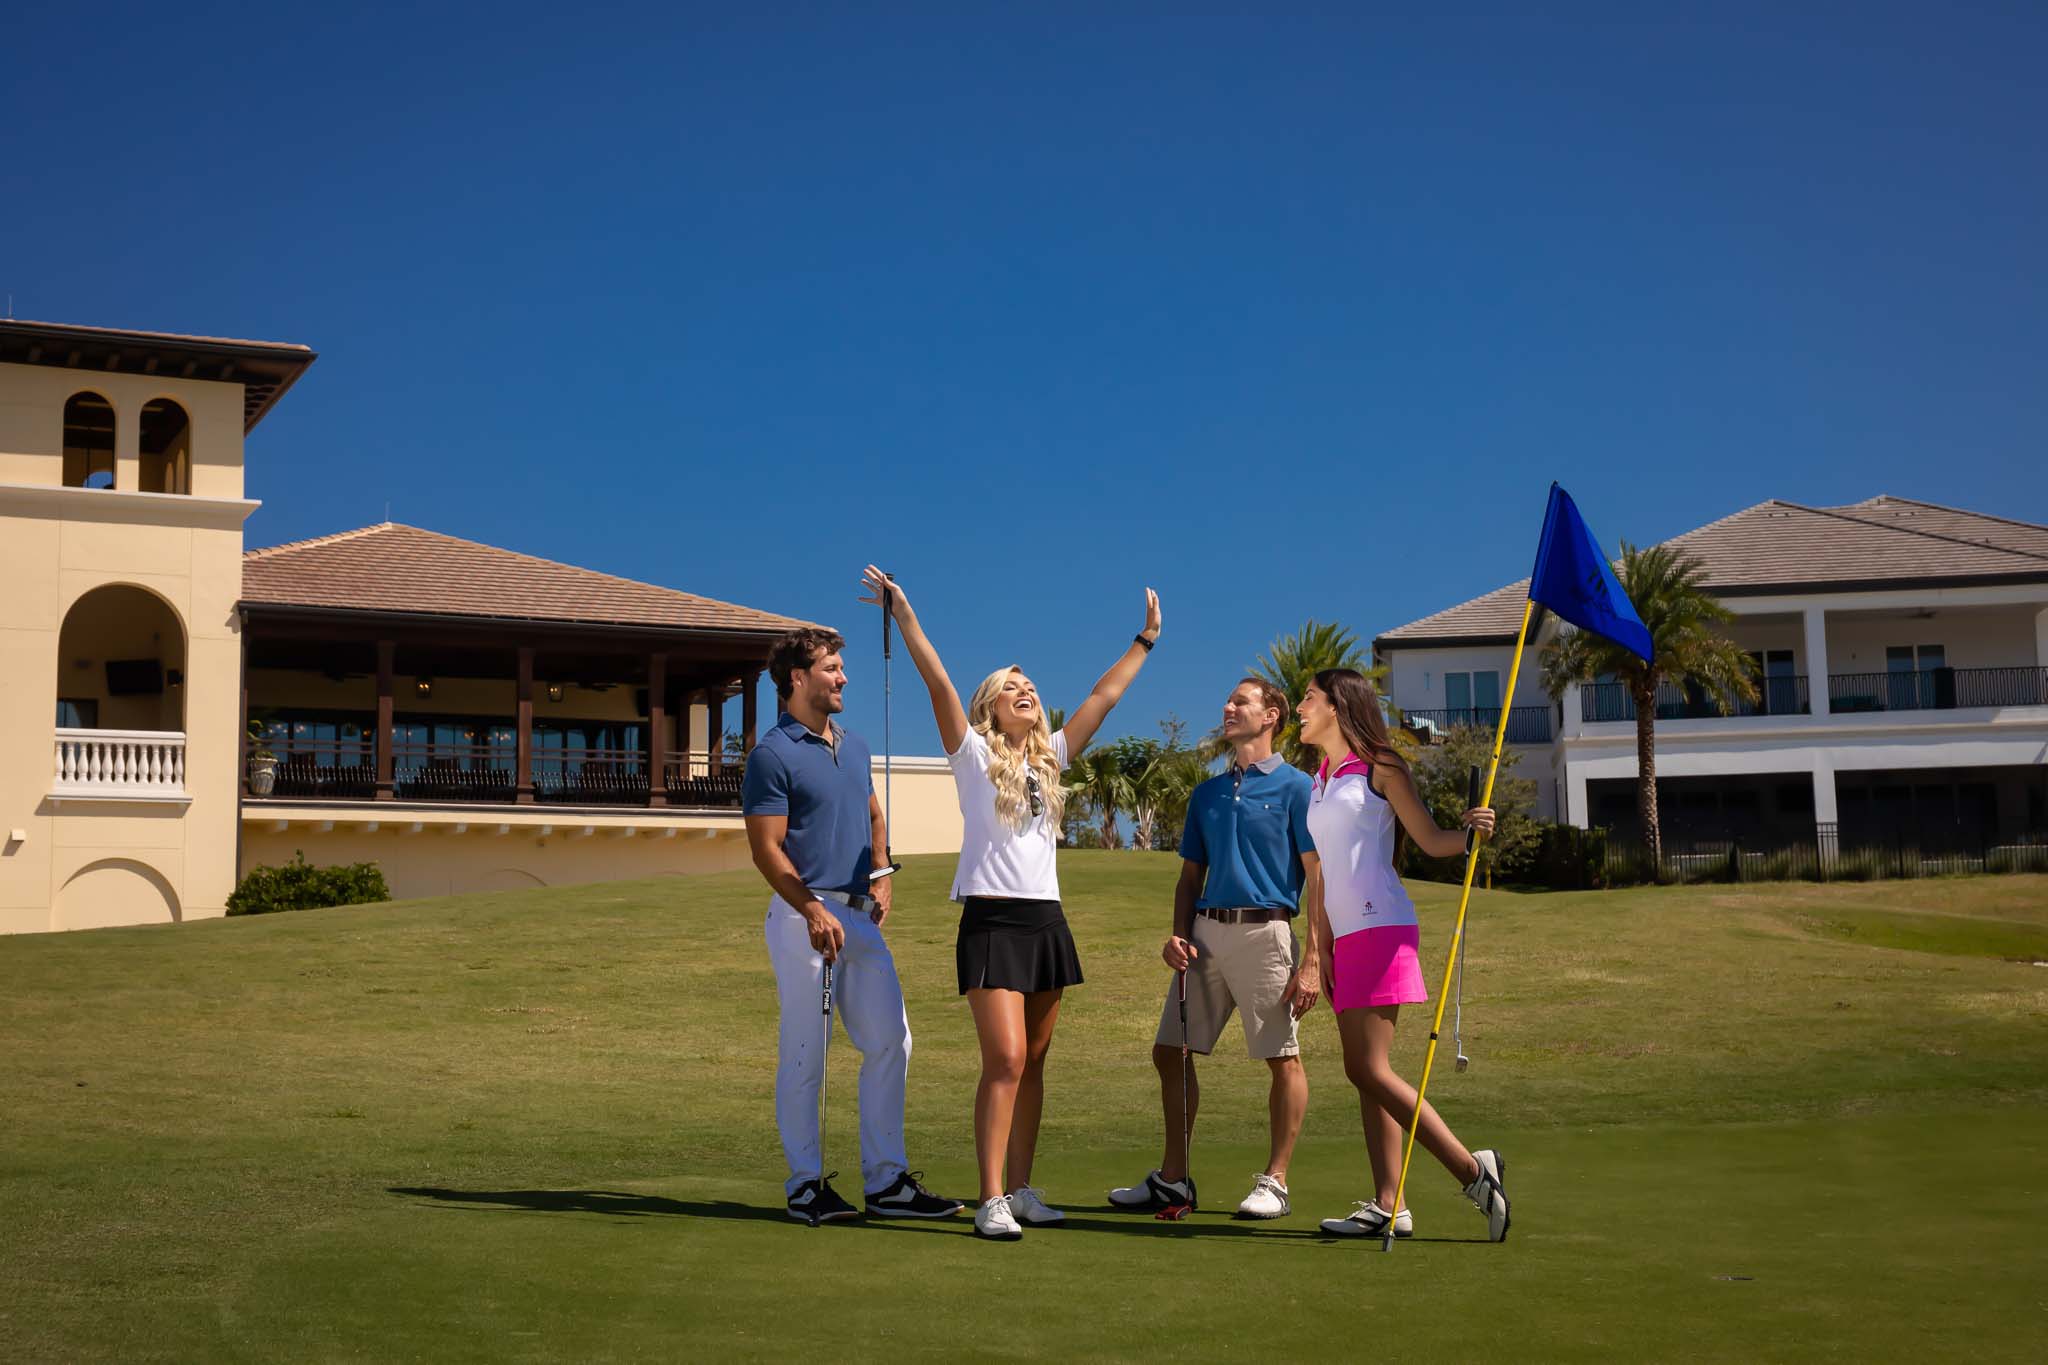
(88, 441)
(1472, 698)
(1918, 678)
(165, 448)
(78, 713)
(1777, 685)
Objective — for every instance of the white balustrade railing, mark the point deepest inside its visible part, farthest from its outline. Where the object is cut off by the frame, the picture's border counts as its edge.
(129, 765)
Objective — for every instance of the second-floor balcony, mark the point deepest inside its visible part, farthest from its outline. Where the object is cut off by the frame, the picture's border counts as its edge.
(119, 765)
(1936, 689)
(1526, 724)
(346, 770)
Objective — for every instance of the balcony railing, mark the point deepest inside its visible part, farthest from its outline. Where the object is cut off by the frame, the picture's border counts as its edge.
(1783, 696)
(1526, 724)
(452, 772)
(1937, 689)
(590, 777)
(120, 765)
(688, 779)
(347, 770)
(342, 769)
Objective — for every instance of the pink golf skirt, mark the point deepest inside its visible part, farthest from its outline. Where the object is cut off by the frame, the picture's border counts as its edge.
(1377, 967)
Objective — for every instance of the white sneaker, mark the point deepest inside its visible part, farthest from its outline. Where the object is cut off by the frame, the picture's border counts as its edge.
(1490, 1193)
(1367, 1220)
(1268, 1199)
(1155, 1192)
(1027, 1205)
(994, 1220)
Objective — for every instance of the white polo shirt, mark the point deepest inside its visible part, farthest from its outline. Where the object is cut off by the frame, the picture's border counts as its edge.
(996, 860)
(1353, 827)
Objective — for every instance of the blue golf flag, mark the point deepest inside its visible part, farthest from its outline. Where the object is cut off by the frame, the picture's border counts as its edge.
(1574, 579)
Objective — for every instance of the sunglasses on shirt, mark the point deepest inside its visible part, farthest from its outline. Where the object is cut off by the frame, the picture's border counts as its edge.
(1031, 789)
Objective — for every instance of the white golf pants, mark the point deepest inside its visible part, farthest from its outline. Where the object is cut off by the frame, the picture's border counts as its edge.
(868, 999)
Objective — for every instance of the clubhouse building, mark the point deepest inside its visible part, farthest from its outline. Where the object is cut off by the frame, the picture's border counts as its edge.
(1902, 655)
(176, 709)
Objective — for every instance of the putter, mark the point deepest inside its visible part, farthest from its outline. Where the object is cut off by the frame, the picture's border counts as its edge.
(824, 1076)
(1173, 1213)
(1458, 1009)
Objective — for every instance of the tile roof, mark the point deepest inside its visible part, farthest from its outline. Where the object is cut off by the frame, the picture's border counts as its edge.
(1781, 546)
(397, 568)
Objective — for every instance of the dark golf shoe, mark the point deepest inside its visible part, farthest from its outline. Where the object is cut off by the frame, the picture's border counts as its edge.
(815, 1202)
(909, 1199)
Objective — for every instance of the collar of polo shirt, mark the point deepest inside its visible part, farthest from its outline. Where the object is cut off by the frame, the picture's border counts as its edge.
(798, 731)
(1267, 765)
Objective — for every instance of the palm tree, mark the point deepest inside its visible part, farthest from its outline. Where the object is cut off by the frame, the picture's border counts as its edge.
(1684, 620)
(1098, 781)
(1291, 663)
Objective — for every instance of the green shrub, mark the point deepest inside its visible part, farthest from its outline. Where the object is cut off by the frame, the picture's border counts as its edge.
(299, 886)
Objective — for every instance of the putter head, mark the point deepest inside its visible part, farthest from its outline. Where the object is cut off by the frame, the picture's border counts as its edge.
(1174, 1213)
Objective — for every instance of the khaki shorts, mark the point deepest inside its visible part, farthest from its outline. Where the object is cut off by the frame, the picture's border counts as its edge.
(1237, 966)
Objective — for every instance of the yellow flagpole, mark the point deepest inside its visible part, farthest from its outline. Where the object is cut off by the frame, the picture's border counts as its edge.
(1500, 735)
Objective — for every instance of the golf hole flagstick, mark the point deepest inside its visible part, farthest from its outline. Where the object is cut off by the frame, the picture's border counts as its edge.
(1574, 580)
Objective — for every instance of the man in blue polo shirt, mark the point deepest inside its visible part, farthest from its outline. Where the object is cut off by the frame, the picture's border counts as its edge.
(1245, 856)
(813, 824)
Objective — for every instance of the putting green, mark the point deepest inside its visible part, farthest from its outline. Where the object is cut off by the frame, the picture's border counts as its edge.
(537, 1126)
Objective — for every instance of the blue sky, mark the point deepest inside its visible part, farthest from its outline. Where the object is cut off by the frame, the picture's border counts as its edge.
(1289, 314)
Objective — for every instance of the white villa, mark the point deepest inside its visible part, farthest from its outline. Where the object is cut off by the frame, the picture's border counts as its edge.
(1903, 654)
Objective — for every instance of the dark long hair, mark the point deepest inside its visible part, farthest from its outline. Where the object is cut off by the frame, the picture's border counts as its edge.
(1364, 727)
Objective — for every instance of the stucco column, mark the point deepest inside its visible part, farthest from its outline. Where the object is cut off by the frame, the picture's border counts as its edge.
(1578, 809)
(522, 744)
(1825, 811)
(657, 726)
(2041, 638)
(1817, 674)
(387, 655)
(714, 728)
(128, 447)
(1572, 722)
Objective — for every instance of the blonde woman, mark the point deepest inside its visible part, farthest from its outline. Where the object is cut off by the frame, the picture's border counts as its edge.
(1015, 954)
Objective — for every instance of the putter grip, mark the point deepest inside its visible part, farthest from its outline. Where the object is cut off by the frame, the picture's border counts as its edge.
(1471, 800)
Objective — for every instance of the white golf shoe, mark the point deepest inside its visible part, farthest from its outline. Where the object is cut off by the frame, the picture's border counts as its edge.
(1028, 1206)
(1268, 1199)
(1489, 1191)
(1367, 1220)
(994, 1220)
(1155, 1192)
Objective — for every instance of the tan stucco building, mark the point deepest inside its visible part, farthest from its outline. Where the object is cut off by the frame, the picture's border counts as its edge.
(175, 711)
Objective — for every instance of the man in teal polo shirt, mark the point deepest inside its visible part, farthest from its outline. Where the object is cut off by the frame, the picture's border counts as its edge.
(1246, 854)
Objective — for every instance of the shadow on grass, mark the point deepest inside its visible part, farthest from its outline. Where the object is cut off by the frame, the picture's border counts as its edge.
(612, 1203)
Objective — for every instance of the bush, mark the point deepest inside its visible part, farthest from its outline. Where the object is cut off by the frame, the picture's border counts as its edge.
(1441, 773)
(1567, 858)
(299, 886)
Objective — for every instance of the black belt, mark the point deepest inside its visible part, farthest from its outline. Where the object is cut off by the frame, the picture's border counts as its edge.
(1244, 915)
(865, 904)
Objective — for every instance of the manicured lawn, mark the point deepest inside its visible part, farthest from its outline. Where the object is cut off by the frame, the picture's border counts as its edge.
(1761, 1121)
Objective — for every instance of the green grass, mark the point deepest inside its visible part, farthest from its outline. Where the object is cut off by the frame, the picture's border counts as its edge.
(1762, 1121)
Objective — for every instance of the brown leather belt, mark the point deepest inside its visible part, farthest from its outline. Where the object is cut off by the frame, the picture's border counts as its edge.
(1244, 915)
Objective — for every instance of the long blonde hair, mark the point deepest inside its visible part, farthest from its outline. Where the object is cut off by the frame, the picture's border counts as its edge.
(1008, 766)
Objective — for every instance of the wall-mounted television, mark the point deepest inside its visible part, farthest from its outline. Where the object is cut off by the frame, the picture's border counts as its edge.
(134, 677)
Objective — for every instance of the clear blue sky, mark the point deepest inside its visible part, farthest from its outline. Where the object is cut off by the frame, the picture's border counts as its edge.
(1290, 314)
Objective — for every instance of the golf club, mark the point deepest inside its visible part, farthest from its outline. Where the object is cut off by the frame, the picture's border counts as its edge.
(824, 1076)
(1458, 1009)
(1173, 1213)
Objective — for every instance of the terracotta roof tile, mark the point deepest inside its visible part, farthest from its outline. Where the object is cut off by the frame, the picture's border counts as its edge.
(398, 568)
(1785, 546)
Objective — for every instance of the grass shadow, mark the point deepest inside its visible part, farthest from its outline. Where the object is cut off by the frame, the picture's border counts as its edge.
(611, 1203)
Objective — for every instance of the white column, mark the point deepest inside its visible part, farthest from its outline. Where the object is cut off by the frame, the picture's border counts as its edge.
(2041, 638)
(1817, 676)
(1570, 724)
(1575, 798)
(1824, 810)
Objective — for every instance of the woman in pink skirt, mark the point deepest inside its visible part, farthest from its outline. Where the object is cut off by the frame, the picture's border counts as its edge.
(1363, 800)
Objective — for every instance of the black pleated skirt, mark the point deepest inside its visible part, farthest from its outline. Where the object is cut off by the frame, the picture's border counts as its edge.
(1015, 946)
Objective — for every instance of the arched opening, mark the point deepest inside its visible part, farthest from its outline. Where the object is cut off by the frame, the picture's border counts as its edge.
(121, 662)
(166, 447)
(115, 891)
(88, 441)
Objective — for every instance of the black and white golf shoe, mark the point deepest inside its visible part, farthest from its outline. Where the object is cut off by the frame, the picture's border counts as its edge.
(1489, 1191)
(907, 1198)
(1370, 1220)
(1156, 1192)
(815, 1202)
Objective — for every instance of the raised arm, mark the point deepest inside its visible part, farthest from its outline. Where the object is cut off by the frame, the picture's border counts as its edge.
(946, 708)
(1399, 790)
(1109, 688)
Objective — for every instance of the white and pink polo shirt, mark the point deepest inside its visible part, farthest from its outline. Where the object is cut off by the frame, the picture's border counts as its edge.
(1354, 830)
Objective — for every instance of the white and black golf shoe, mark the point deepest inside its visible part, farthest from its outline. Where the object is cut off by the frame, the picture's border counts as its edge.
(1155, 1192)
(1367, 1220)
(1028, 1206)
(815, 1202)
(908, 1198)
(994, 1221)
(1268, 1199)
(1489, 1191)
